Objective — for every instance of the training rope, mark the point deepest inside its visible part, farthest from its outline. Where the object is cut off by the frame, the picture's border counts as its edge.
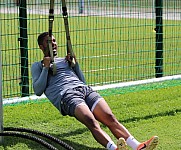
(30, 137)
(11, 131)
(69, 44)
(51, 19)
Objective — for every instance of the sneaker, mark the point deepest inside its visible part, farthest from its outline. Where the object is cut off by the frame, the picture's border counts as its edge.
(149, 145)
(121, 144)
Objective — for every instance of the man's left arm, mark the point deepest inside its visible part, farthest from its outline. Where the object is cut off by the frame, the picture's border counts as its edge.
(79, 72)
(76, 68)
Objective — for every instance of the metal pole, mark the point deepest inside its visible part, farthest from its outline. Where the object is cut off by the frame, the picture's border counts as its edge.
(1, 101)
(159, 38)
(23, 48)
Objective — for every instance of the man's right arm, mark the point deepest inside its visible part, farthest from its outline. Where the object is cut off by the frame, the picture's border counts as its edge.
(39, 76)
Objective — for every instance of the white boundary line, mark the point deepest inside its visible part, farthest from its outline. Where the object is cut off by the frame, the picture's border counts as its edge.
(97, 88)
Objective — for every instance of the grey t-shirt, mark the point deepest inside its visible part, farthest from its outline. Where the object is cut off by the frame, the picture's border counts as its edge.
(54, 86)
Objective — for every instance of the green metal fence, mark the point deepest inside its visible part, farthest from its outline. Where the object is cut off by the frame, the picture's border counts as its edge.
(114, 41)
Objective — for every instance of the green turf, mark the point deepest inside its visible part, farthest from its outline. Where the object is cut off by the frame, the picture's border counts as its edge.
(154, 111)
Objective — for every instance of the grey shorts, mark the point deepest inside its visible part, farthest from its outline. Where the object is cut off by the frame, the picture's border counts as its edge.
(76, 96)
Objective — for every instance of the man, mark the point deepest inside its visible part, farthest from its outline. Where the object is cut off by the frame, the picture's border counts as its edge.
(69, 93)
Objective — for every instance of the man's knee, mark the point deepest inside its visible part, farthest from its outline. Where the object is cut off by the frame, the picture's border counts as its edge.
(91, 122)
(110, 120)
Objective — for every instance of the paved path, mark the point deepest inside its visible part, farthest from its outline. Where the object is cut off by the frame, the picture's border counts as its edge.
(126, 13)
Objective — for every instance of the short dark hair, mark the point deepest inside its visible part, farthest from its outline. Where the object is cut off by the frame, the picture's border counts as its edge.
(41, 37)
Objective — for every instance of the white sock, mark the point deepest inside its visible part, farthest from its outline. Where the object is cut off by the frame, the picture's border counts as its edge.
(111, 145)
(132, 142)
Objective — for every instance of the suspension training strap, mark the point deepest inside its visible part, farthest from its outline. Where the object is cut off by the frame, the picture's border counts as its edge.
(69, 44)
(51, 19)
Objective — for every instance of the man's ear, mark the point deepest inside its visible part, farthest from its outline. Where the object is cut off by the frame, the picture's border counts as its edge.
(41, 47)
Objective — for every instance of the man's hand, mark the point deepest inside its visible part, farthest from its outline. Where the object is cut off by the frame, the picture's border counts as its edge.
(71, 60)
(46, 62)
(68, 58)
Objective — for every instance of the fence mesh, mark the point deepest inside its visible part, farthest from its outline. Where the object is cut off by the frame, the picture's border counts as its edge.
(114, 41)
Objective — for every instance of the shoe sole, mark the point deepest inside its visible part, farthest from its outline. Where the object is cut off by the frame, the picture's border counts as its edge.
(153, 143)
(122, 144)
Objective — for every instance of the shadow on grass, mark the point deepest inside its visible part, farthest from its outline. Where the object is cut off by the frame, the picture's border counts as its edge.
(162, 114)
(74, 145)
(17, 143)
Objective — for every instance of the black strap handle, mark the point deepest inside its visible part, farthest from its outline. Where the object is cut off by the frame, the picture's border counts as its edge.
(66, 24)
(51, 19)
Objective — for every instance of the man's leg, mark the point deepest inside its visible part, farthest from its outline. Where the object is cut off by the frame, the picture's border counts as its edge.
(85, 116)
(103, 113)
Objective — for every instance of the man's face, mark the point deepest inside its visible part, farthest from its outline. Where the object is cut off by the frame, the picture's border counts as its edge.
(44, 47)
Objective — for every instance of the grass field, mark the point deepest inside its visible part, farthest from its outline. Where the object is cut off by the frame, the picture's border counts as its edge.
(146, 110)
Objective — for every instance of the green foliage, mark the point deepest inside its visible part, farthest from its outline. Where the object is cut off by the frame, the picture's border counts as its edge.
(144, 110)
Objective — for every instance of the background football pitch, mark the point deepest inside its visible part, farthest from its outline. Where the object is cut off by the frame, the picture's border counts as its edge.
(146, 110)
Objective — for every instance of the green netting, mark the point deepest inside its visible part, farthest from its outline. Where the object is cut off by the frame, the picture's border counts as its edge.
(114, 41)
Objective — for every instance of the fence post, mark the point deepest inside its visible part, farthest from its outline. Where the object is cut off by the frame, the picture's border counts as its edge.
(23, 48)
(159, 38)
(1, 100)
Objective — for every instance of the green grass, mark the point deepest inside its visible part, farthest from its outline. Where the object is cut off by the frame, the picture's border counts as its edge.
(145, 110)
